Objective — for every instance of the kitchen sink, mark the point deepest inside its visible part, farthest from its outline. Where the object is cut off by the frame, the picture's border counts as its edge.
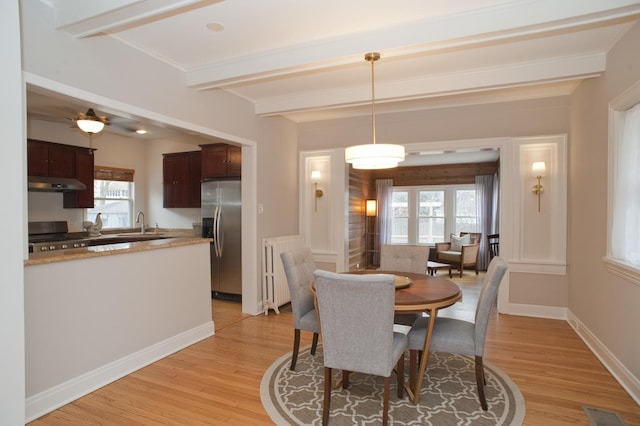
(126, 238)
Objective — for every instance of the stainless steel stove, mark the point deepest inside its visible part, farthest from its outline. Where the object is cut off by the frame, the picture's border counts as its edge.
(50, 236)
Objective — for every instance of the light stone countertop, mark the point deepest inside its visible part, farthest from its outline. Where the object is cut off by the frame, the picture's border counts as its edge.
(169, 238)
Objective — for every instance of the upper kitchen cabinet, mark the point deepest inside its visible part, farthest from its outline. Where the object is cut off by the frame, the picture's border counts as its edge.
(84, 173)
(181, 179)
(50, 159)
(63, 161)
(221, 161)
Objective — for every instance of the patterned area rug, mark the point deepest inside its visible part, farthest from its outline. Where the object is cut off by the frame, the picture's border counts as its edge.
(448, 396)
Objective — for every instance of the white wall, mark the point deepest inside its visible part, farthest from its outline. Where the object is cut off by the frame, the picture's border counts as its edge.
(90, 327)
(277, 163)
(12, 220)
(606, 307)
(549, 116)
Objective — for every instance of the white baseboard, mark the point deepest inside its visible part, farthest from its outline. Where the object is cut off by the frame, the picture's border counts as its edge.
(536, 311)
(626, 379)
(59, 395)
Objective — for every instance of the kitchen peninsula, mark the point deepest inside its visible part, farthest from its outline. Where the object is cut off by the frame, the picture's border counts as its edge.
(95, 314)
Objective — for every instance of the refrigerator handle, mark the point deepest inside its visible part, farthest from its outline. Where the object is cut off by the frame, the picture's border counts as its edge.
(220, 232)
(214, 229)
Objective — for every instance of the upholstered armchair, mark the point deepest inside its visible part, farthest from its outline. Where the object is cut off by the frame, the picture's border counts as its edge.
(461, 251)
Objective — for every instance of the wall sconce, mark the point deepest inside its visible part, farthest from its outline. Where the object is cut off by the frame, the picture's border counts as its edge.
(538, 169)
(371, 208)
(315, 178)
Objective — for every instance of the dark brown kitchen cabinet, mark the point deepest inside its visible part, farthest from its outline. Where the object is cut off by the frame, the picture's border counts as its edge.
(50, 159)
(181, 179)
(221, 160)
(84, 173)
(67, 161)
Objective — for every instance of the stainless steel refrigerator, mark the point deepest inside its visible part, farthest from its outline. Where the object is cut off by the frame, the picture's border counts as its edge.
(221, 208)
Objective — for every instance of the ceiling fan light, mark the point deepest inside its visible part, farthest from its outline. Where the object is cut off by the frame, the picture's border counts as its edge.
(90, 122)
(374, 156)
(90, 125)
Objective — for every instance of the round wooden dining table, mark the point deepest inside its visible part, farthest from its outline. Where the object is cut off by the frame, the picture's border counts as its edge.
(427, 294)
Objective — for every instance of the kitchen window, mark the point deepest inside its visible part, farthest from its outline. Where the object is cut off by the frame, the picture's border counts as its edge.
(113, 191)
(428, 214)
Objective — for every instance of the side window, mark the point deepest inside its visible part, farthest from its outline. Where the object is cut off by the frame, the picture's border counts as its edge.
(625, 186)
(431, 217)
(623, 215)
(113, 191)
(466, 217)
(400, 230)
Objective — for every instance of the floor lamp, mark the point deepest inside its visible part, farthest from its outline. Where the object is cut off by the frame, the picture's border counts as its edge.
(370, 211)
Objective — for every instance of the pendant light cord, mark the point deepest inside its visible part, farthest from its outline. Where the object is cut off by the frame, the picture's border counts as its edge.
(373, 102)
(372, 57)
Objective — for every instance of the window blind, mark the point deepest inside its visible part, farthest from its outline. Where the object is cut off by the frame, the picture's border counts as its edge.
(113, 173)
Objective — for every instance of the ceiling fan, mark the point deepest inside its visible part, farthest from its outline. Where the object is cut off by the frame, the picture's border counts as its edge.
(92, 122)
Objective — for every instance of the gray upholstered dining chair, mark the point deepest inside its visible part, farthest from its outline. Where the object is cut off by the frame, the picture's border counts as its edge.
(298, 267)
(356, 317)
(404, 258)
(462, 337)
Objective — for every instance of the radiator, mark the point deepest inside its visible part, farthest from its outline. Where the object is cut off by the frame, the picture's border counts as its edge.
(274, 281)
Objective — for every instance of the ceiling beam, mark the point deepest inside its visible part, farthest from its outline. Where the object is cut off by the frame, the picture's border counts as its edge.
(82, 18)
(495, 24)
(468, 81)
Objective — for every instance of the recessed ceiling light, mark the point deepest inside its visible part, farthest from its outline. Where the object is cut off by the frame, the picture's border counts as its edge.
(215, 27)
(141, 131)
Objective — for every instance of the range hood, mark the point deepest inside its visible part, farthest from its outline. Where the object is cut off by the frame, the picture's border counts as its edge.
(54, 184)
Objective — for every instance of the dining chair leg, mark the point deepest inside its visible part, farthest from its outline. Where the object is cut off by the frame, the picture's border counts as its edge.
(314, 344)
(480, 383)
(400, 374)
(345, 379)
(296, 346)
(385, 401)
(326, 405)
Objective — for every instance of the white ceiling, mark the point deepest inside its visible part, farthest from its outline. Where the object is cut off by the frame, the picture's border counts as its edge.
(304, 59)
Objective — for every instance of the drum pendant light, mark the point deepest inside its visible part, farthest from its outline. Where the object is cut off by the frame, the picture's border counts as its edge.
(374, 155)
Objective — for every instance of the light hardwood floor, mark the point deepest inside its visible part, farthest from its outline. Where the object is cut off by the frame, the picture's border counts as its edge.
(216, 381)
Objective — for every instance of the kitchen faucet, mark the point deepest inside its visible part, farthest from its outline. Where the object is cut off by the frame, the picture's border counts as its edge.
(138, 221)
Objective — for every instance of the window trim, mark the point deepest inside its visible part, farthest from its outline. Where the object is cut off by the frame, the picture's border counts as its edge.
(622, 102)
